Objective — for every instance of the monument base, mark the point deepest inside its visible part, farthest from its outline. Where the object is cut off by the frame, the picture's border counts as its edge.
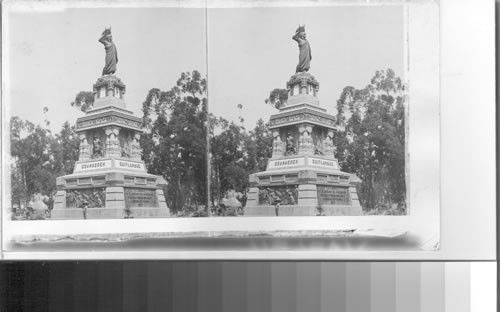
(110, 195)
(303, 188)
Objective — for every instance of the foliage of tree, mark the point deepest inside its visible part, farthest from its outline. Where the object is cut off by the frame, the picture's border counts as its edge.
(370, 142)
(174, 144)
(258, 147)
(236, 153)
(38, 157)
(66, 149)
(227, 153)
(277, 98)
(83, 101)
(370, 139)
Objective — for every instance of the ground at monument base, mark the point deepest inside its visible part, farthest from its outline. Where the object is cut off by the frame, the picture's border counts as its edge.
(289, 210)
(109, 213)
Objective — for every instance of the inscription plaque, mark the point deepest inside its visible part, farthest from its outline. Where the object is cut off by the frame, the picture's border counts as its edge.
(138, 197)
(123, 164)
(333, 195)
(93, 165)
(285, 163)
(325, 163)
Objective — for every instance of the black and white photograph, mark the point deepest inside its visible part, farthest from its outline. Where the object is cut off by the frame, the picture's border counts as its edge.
(117, 122)
(297, 135)
(232, 126)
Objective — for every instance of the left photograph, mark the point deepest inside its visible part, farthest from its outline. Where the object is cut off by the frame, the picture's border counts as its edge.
(106, 112)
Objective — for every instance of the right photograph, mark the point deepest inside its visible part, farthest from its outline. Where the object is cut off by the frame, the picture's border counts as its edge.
(308, 111)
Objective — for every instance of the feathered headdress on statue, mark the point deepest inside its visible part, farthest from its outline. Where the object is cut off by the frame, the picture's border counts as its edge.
(301, 28)
(107, 31)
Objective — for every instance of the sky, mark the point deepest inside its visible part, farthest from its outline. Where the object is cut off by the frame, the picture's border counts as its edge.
(251, 53)
(54, 55)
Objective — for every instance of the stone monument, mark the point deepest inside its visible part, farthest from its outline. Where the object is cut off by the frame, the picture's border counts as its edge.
(303, 176)
(109, 176)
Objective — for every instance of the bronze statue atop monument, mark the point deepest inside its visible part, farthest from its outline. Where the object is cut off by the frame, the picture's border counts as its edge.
(111, 53)
(305, 55)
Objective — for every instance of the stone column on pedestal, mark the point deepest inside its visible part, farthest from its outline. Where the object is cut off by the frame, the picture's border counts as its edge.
(277, 145)
(112, 143)
(319, 147)
(136, 146)
(126, 150)
(304, 86)
(84, 147)
(305, 141)
(328, 144)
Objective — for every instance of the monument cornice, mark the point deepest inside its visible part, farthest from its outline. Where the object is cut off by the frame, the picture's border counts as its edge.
(108, 108)
(109, 118)
(304, 115)
(300, 106)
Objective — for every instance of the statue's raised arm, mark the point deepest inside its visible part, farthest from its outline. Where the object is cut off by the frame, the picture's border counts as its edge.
(111, 53)
(305, 55)
(298, 37)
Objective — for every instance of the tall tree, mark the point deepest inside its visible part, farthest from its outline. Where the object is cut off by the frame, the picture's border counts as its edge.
(84, 101)
(19, 188)
(34, 162)
(174, 143)
(277, 98)
(66, 149)
(258, 147)
(236, 153)
(227, 156)
(371, 139)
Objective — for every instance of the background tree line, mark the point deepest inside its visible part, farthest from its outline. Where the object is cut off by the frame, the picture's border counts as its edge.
(38, 156)
(174, 146)
(370, 142)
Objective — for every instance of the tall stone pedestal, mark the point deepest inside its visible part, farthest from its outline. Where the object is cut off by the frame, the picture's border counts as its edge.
(303, 175)
(109, 178)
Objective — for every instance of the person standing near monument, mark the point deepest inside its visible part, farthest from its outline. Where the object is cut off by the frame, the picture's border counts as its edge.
(84, 209)
(111, 53)
(305, 55)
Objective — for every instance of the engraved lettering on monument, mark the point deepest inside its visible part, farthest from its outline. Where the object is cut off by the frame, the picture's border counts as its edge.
(333, 195)
(138, 197)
